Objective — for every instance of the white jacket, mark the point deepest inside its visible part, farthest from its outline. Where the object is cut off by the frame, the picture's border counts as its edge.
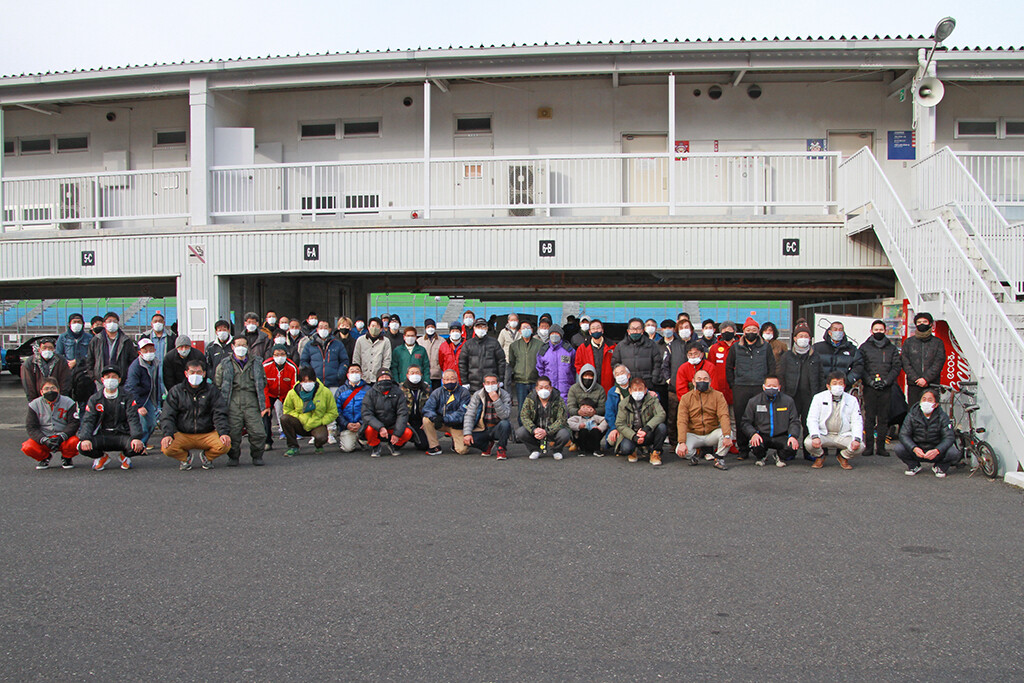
(821, 408)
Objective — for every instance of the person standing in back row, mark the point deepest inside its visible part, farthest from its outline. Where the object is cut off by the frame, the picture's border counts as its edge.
(481, 356)
(924, 356)
(242, 382)
(750, 361)
(879, 366)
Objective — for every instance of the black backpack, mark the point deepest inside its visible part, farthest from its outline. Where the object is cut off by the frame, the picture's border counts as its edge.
(82, 386)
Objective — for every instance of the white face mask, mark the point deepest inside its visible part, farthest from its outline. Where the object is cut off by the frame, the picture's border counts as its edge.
(803, 342)
(455, 336)
(250, 327)
(585, 327)
(47, 354)
(111, 326)
(543, 333)
(709, 333)
(271, 321)
(513, 324)
(491, 388)
(767, 336)
(312, 322)
(307, 386)
(927, 407)
(415, 379)
(283, 327)
(280, 360)
(480, 332)
(223, 335)
(622, 380)
(76, 327)
(685, 334)
(111, 383)
(158, 327)
(360, 325)
(638, 395)
(355, 377)
(694, 361)
(468, 321)
(555, 339)
(241, 351)
(195, 380)
(149, 356)
(294, 331)
(322, 333)
(430, 331)
(836, 389)
(544, 393)
(183, 351)
(410, 341)
(837, 335)
(280, 340)
(393, 326)
(650, 329)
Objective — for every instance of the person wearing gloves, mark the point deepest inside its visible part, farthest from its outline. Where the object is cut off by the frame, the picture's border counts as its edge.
(242, 382)
(927, 437)
(878, 364)
(487, 419)
(543, 420)
(194, 416)
(771, 421)
(308, 408)
(45, 362)
(143, 384)
(431, 341)
(556, 361)
(373, 351)
(110, 423)
(481, 356)
(178, 358)
(282, 374)
(641, 423)
(702, 421)
(834, 421)
(51, 423)
(349, 401)
(588, 426)
(446, 409)
(385, 416)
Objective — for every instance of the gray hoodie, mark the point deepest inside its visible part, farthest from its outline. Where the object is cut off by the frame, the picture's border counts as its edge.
(577, 393)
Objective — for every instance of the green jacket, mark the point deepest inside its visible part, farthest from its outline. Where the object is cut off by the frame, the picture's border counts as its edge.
(556, 417)
(325, 410)
(651, 414)
(522, 361)
(403, 358)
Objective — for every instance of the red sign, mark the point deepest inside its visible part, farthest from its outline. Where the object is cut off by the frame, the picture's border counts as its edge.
(956, 369)
(682, 146)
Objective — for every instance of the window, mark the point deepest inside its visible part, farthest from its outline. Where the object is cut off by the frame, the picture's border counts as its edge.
(72, 143)
(977, 129)
(318, 130)
(362, 129)
(472, 171)
(8, 148)
(36, 146)
(170, 138)
(472, 125)
(1014, 129)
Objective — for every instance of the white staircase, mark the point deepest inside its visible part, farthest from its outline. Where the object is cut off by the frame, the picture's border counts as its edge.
(24, 320)
(944, 268)
(453, 311)
(137, 306)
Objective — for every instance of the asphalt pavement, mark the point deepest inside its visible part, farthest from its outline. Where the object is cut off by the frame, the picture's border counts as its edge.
(410, 568)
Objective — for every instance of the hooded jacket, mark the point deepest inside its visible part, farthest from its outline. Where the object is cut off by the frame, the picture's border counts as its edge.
(557, 363)
(328, 358)
(385, 407)
(175, 365)
(585, 354)
(448, 357)
(578, 392)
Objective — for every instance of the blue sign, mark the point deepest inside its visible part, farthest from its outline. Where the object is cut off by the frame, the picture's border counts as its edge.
(902, 145)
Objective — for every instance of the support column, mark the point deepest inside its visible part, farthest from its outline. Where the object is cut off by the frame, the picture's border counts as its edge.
(2, 205)
(426, 149)
(671, 144)
(201, 105)
(924, 117)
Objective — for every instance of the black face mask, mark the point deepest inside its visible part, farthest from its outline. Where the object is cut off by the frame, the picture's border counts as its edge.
(587, 383)
(728, 336)
(751, 336)
(50, 396)
(702, 386)
(635, 336)
(771, 393)
(343, 331)
(450, 386)
(878, 336)
(923, 327)
(597, 335)
(97, 330)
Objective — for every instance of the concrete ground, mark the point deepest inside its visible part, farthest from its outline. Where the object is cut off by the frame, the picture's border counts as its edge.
(463, 568)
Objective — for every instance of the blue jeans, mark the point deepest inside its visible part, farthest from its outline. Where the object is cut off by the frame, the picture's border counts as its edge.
(149, 420)
(522, 391)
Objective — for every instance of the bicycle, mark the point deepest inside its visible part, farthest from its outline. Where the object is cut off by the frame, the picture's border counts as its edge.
(975, 452)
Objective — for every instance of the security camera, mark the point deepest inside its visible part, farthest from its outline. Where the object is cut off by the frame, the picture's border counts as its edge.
(111, 116)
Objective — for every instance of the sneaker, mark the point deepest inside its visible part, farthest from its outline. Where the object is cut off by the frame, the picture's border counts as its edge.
(534, 455)
(487, 453)
(779, 462)
(66, 464)
(205, 462)
(557, 456)
(743, 456)
(291, 452)
(390, 449)
(280, 435)
(655, 459)
(709, 456)
(268, 446)
(581, 454)
(184, 465)
(331, 439)
(759, 462)
(312, 440)
(375, 453)
(43, 464)
(126, 462)
(501, 454)
(320, 450)
(911, 471)
(844, 463)
(720, 464)
(632, 457)
(693, 459)
(257, 461)
(598, 454)
(436, 450)
(232, 462)
(940, 473)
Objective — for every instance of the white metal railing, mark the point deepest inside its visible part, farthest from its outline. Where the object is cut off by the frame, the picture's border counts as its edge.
(1000, 175)
(525, 185)
(942, 180)
(74, 199)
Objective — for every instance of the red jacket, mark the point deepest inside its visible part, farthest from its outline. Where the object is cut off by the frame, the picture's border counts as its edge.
(717, 355)
(585, 354)
(684, 377)
(280, 380)
(448, 356)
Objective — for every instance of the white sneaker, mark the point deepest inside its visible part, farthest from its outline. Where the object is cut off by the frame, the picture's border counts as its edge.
(557, 456)
(331, 439)
(312, 441)
(598, 454)
(911, 472)
(534, 455)
(939, 473)
(709, 456)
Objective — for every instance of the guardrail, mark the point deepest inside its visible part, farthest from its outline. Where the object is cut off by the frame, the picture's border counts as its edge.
(81, 199)
(999, 174)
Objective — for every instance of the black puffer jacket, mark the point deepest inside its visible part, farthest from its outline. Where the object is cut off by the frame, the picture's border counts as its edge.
(194, 410)
(878, 359)
(923, 358)
(926, 433)
(800, 374)
(643, 358)
(481, 356)
(748, 364)
(837, 358)
(385, 407)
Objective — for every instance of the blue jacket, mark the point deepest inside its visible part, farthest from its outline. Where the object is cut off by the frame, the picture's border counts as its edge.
(353, 412)
(557, 363)
(328, 358)
(139, 383)
(448, 406)
(611, 404)
(72, 347)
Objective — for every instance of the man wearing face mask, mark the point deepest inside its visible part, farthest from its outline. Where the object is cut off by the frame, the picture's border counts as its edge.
(242, 382)
(309, 409)
(349, 402)
(638, 353)
(521, 370)
(543, 328)
(451, 349)
(386, 416)
(110, 423)
(834, 421)
(295, 340)
(308, 326)
(144, 386)
(583, 336)
(641, 423)
(468, 320)
(837, 354)
(327, 356)
(923, 357)
(487, 419)
(73, 343)
(432, 343)
(258, 340)
(544, 421)
(393, 332)
(616, 395)
(509, 333)
(373, 351)
(664, 344)
(283, 323)
(482, 356)
(194, 417)
(800, 370)
(360, 328)
(556, 361)
(708, 335)
(163, 339)
(771, 422)
(177, 359)
(446, 409)
(687, 372)
(749, 362)
(51, 423)
(586, 409)
(770, 334)
(703, 421)
(282, 374)
(927, 437)
(674, 359)
(409, 354)
(220, 348)
(597, 352)
(270, 323)
(112, 347)
(417, 392)
(45, 362)
(878, 363)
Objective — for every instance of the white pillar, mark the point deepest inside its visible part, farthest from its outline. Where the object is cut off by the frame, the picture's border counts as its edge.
(2, 206)
(200, 149)
(426, 149)
(671, 144)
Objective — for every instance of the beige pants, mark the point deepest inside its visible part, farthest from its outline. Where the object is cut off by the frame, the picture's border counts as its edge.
(714, 439)
(349, 441)
(457, 443)
(183, 443)
(431, 432)
(833, 441)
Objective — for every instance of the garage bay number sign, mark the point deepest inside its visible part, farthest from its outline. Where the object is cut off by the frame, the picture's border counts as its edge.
(547, 248)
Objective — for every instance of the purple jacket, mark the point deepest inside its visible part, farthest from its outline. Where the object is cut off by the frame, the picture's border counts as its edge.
(557, 363)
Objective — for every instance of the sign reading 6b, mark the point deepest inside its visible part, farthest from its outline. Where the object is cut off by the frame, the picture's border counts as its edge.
(547, 248)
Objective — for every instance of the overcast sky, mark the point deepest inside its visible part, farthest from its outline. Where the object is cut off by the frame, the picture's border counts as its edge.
(46, 35)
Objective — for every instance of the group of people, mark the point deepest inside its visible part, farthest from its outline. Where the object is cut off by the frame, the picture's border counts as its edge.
(375, 384)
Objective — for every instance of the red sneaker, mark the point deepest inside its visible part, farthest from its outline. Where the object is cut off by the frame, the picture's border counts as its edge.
(501, 454)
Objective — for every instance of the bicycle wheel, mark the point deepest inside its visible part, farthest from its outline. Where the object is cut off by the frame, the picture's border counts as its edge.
(986, 458)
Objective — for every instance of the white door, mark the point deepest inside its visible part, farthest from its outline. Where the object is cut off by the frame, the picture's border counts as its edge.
(473, 177)
(271, 184)
(645, 180)
(233, 190)
(849, 143)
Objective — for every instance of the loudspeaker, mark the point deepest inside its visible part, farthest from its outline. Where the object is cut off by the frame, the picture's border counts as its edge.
(929, 92)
